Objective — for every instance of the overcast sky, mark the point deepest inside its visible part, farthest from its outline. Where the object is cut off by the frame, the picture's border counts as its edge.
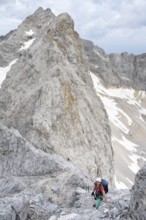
(114, 25)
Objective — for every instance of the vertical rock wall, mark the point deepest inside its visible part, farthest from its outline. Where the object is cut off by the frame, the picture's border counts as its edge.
(48, 96)
(137, 208)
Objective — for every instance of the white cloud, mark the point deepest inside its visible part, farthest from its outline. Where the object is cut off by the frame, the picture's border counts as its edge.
(113, 25)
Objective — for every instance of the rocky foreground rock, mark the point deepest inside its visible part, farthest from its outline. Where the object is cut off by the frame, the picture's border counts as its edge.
(38, 186)
(138, 196)
(35, 185)
(54, 131)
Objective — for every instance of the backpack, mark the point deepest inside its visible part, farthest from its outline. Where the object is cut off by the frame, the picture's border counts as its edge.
(105, 185)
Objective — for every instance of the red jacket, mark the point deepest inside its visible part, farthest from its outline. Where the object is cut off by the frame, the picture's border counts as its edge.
(98, 189)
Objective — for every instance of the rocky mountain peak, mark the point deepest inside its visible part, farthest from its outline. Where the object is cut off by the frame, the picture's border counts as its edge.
(39, 17)
(50, 91)
(11, 44)
(64, 23)
(61, 33)
(40, 10)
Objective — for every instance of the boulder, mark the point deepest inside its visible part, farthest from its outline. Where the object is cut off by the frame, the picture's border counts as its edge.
(137, 209)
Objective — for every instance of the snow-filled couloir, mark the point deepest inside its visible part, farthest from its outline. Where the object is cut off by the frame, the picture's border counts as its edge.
(127, 116)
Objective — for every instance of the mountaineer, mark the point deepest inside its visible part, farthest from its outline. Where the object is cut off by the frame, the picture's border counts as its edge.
(99, 191)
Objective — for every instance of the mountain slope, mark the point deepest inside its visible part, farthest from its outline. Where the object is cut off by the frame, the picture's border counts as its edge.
(49, 98)
(54, 131)
(127, 120)
(119, 87)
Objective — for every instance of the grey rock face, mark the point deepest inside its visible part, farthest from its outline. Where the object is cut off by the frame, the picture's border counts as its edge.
(119, 70)
(32, 178)
(19, 158)
(62, 195)
(54, 131)
(12, 42)
(48, 97)
(138, 196)
(83, 207)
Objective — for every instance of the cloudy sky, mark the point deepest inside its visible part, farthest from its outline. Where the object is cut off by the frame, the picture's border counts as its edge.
(114, 25)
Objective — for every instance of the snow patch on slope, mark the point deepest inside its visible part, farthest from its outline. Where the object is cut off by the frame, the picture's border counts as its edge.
(119, 185)
(5, 70)
(29, 33)
(27, 44)
(126, 143)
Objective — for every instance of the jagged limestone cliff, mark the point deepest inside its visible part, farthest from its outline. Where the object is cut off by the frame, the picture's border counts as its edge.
(54, 132)
(137, 208)
(48, 96)
(117, 70)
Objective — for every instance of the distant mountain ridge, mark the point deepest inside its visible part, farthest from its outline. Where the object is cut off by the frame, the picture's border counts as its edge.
(117, 70)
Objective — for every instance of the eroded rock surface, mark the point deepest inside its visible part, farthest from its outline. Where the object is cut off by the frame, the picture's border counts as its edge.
(117, 70)
(138, 196)
(48, 96)
(54, 131)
